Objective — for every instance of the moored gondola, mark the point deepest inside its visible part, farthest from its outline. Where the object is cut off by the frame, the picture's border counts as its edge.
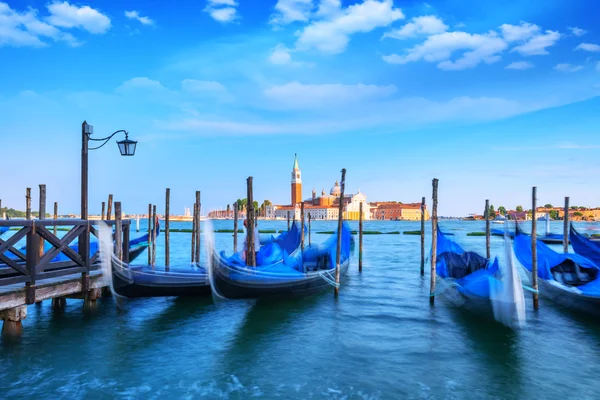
(280, 274)
(570, 280)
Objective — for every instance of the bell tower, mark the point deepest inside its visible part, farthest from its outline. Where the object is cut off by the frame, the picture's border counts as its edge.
(296, 183)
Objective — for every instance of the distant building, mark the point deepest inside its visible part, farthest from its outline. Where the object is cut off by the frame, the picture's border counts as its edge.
(324, 207)
(398, 211)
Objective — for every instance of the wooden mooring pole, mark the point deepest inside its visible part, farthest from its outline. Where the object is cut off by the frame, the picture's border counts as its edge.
(103, 215)
(360, 236)
(28, 203)
(288, 220)
(566, 227)
(309, 219)
(198, 211)
(302, 228)
(423, 236)
(42, 214)
(235, 226)
(487, 229)
(194, 216)
(154, 228)
(167, 244)
(534, 262)
(118, 230)
(338, 252)
(149, 234)
(250, 250)
(109, 208)
(55, 215)
(433, 241)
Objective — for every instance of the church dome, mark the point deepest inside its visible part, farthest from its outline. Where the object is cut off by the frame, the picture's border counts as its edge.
(336, 190)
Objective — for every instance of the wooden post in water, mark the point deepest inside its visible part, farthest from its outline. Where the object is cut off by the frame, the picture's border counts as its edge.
(423, 236)
(42, 213)
(338, 253)
(167, 244)
(250, 250)
(103, 215)
(487, 229)
(28, 203)
(55, 215)
(360, 236)
(154, 228)
(566, 227)
(109, 209)
(534, 262)
(198, 211)
(194, 215)
(149, 234)
(235, 226)
(118, 231)
(433, 241)
(302, 228)
(137, 223)
(309, 219)
(288, 220)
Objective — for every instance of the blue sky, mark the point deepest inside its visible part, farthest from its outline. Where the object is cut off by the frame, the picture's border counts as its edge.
(490, 97)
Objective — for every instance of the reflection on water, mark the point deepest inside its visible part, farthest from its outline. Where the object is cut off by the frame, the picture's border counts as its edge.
(379, 340)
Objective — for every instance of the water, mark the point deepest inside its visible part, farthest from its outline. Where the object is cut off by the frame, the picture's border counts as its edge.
(379, 340)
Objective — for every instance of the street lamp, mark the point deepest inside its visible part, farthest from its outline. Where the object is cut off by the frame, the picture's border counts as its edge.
(126, 147)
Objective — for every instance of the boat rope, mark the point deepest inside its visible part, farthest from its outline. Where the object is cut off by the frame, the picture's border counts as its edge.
(329, 279)
(530, 289)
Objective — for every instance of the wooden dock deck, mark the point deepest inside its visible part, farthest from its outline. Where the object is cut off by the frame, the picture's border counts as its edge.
(35, 272)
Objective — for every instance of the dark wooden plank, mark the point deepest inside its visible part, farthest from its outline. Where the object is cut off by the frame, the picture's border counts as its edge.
(14, 280)
(60, 272)
(13, 265)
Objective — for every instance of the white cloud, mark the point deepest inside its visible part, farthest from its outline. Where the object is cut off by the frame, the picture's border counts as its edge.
(577, 31)
(521, 32)
(280, 55)
(333, 34)
(424, 25)
(440, 47)
(537, 45)
(588, 47)
(143, 83)
(25, 29)
(288, 11)
(521, 65)
(568, 68)
(305, 96)
(65, 15)
(136, 15)
(195, 86)
(329, 8)
(222, 10)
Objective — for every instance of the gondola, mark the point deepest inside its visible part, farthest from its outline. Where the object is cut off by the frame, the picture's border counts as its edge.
(280, 273)
(3, 229)
(147, 281)
(190, 280)
(584, 246)
(548, 238)
(568, 279)
(478, 284)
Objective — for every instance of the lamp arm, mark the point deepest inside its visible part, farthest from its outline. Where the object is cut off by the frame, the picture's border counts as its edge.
(106, 139)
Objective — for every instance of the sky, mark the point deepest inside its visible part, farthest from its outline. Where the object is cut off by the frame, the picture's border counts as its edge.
(489, 97)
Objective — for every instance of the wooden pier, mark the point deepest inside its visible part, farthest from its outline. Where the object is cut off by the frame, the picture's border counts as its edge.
(36, 274)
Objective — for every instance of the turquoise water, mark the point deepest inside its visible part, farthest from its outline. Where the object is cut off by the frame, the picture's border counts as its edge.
(379, 340)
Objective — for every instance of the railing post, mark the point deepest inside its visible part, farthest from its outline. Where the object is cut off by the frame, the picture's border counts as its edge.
(42, 214)
(32, 260)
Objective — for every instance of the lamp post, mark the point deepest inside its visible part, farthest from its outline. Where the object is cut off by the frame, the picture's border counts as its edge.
(126, 147)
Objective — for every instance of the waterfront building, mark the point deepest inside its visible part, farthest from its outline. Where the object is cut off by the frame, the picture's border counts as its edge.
(390, 210)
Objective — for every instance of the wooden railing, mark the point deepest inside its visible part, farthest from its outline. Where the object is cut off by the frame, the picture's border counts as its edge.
(37, 263)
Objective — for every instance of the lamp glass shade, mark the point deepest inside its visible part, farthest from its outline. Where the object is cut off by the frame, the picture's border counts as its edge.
(127, 147)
